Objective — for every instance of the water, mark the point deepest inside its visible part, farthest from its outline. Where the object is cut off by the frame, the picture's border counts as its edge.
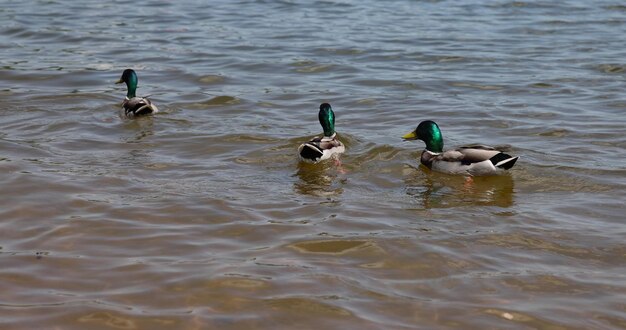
(201, 217)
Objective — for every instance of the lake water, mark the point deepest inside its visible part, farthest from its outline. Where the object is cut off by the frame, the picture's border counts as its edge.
(201, 217)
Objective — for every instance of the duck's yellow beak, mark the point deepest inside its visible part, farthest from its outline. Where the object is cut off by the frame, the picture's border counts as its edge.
(410, 136)
(119, 81)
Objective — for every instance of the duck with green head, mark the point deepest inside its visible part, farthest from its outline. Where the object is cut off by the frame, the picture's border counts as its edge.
(467, 160)
(133, 105)
(326, 146)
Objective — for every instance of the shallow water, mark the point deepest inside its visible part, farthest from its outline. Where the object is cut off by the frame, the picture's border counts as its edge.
(201, 217)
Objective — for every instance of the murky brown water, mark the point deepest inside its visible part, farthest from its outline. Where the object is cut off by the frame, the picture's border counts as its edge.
(201, 217)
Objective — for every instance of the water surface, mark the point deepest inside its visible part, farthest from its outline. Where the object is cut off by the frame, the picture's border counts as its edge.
(201, 217)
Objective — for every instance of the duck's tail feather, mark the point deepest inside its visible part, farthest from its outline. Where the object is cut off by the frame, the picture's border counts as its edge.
(503, 161)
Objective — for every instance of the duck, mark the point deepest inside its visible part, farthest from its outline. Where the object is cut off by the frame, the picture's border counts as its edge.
(469, 160)
(325, 146)
(134, 106)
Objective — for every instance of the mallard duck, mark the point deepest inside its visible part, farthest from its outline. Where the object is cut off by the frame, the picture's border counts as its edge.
(133, 105)
(468, 160)
(322, 147)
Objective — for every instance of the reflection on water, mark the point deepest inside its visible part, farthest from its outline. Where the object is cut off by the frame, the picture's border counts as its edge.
(437, 190)
(325, 179)
(329, 246)
(142, 127)
(138, 153)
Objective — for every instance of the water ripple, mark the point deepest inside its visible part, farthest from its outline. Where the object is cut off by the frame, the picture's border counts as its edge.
(202, 217)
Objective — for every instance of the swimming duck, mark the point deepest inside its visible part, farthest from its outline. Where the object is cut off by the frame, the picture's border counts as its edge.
(133, 105)
(468, 160)
(322, 147)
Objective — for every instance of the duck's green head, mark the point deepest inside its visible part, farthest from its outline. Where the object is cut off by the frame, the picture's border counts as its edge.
(130, 78)
(327, 119)
(429, 132)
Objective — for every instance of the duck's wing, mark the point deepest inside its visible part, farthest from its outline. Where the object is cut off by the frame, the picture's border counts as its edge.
(311, 151)
(324, 143)
(138, 106)
(328, 144)
(477, 146)
(320, 148)
(467, 155)
(473, 153)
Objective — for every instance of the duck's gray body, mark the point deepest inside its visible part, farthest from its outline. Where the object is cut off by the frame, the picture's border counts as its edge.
(468, 160)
